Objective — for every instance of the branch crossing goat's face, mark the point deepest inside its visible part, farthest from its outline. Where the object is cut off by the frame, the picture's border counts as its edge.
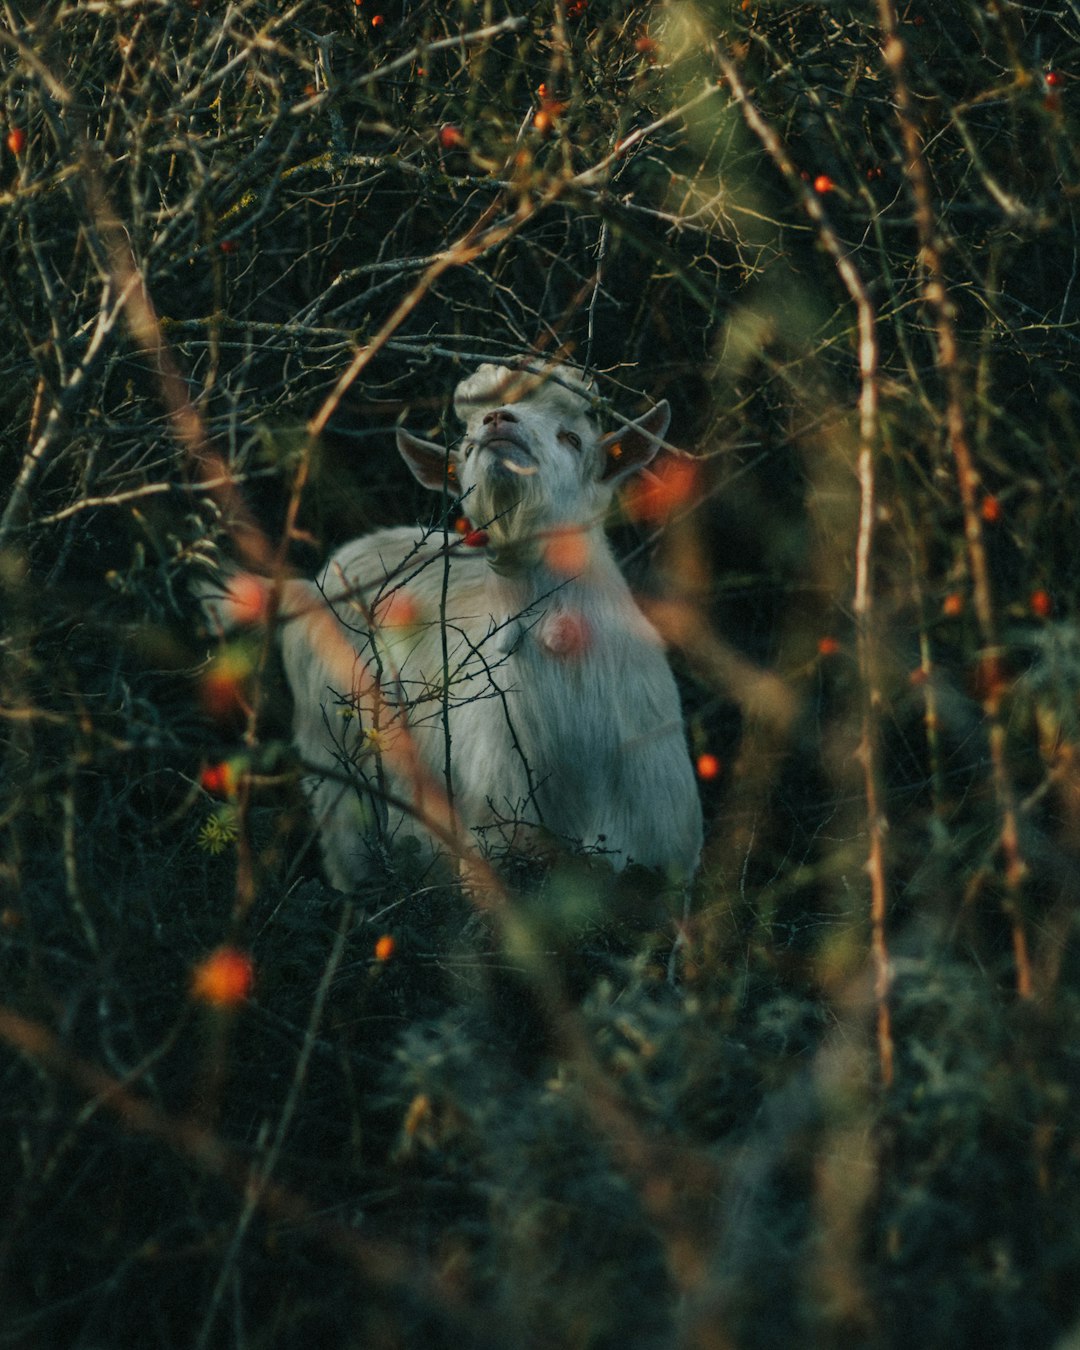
(493, 698)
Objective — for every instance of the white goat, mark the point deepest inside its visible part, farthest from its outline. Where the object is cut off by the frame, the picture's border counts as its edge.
(513, 663)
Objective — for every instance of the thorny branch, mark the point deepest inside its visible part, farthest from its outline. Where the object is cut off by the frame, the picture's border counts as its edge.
(940, 303)
(869, 748)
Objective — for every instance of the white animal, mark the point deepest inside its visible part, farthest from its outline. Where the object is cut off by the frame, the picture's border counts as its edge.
(511, 666)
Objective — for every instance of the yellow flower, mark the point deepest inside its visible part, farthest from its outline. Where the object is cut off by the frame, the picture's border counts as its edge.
(218, 831)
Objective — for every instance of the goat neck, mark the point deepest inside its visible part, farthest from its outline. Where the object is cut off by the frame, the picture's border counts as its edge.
(565, 567)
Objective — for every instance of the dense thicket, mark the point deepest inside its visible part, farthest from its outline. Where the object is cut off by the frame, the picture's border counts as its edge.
(240, 243)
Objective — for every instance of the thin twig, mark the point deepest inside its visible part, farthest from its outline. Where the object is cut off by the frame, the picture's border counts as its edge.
(869, 751)
(256, 1189)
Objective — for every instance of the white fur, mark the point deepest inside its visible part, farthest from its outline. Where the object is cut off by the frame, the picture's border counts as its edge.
(561, 709)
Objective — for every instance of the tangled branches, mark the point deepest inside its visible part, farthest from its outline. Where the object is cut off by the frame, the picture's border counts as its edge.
(242, 241)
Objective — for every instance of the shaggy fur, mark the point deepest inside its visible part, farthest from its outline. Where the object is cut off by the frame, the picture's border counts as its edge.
(545, 688)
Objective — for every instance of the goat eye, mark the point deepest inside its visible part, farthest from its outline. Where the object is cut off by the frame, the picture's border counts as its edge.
(573, 438)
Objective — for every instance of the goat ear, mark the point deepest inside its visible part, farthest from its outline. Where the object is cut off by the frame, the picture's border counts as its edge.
(634, 445)
(430, 463)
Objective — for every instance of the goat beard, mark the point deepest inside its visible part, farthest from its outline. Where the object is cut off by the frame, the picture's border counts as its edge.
(509, 510)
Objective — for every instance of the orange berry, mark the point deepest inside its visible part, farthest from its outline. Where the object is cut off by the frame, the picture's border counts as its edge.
(385, 947)
(666, 488)
(224, 978)
(645, 45)
(567, 551)
(221, 696)
(823, 183)
(828, 646)
(398, 610)
(377, 20)
(246, 599)
(953, 604)
(16, 140)
(1041, 603)
(551, 109)
(222, 688)
(991, 510)
(708, 767)
(450, 137)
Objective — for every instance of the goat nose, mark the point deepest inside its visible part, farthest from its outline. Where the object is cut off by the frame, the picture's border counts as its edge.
(498, 415)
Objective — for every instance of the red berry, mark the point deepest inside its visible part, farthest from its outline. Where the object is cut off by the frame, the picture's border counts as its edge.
(476, 539)
(218, 779)
(450, 137)
(16, 140)
(823, 183)
(1041, 603)
(708, 766)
